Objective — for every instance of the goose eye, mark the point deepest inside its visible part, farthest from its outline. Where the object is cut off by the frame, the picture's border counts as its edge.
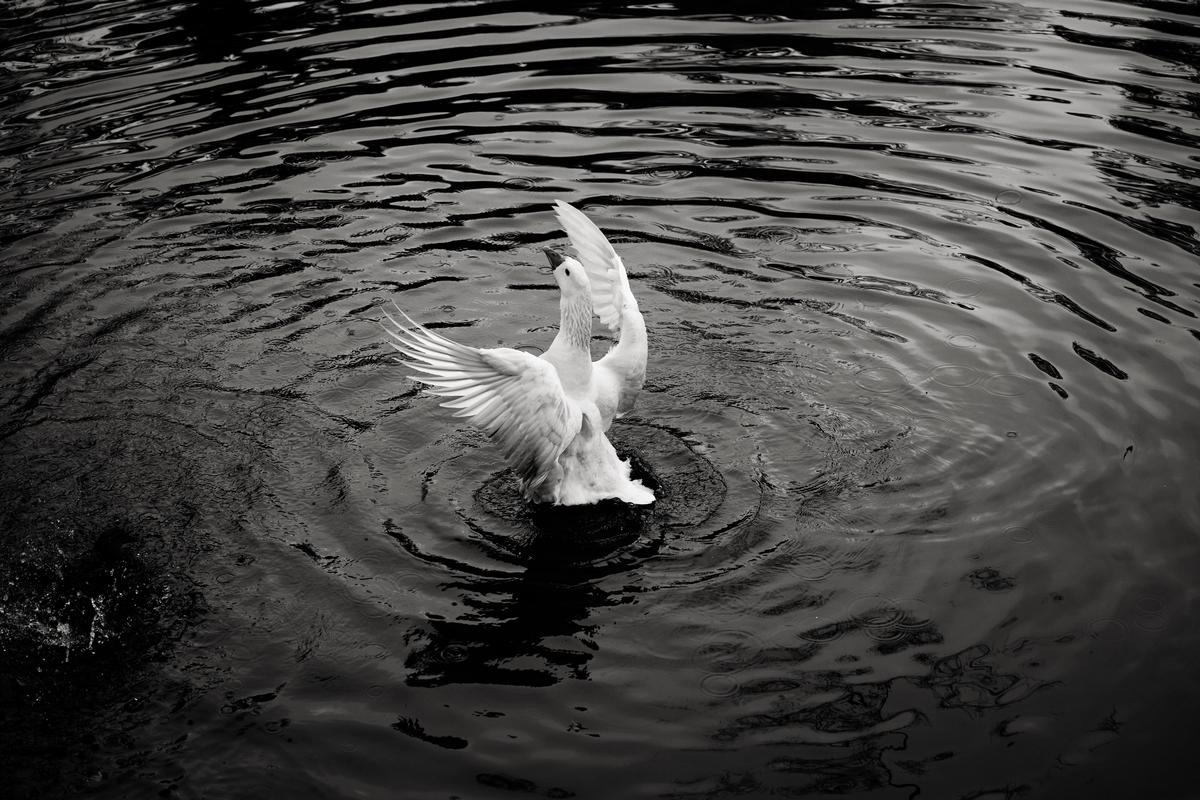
(567, 271)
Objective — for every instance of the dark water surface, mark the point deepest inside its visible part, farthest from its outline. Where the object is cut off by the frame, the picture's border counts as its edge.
(922, 284)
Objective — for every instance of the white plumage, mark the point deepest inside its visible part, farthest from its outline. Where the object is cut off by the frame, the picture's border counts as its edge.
(549, 413)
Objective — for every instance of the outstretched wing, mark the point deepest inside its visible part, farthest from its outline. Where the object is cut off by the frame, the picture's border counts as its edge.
(610, 285)
(515, 397)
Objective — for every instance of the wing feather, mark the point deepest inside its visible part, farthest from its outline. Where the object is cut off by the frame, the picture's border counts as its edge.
(513, 396)
(610, 284)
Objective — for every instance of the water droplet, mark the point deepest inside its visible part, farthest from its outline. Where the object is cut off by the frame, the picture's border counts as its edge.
(453, 653)
(955, 375)
(1007, 385)
(719, 685)
(730, 651)
(822, 635)
(879, 616)
(374, 650)
(1019, 533)
(813, 566)
(1108, 628)
(964, 287)
(881, 379)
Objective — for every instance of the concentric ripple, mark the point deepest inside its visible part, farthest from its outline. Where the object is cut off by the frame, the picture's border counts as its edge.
(921, 287)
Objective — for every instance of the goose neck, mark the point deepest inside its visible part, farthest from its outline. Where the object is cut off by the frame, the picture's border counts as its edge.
(575, 329)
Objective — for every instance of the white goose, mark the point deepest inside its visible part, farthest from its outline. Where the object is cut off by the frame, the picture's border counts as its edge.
(549, 413)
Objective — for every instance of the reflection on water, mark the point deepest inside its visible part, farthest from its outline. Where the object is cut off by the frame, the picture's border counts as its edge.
(921, 287)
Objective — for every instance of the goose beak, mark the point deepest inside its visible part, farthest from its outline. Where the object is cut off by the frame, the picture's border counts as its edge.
(554, 258)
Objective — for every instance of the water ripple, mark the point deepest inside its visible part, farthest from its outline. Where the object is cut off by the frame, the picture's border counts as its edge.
(921, 289)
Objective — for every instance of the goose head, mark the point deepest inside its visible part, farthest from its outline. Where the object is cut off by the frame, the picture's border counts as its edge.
(570, 276)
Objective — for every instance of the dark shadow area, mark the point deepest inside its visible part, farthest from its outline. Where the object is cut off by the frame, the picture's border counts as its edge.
(531, 630)
(88, 614)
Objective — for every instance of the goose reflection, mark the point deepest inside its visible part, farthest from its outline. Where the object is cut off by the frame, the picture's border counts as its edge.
(526, 630)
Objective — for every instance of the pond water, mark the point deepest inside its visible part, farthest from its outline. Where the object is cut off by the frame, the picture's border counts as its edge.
(922, 286)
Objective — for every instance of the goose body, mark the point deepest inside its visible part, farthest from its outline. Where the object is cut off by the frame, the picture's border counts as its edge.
(550, 413)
